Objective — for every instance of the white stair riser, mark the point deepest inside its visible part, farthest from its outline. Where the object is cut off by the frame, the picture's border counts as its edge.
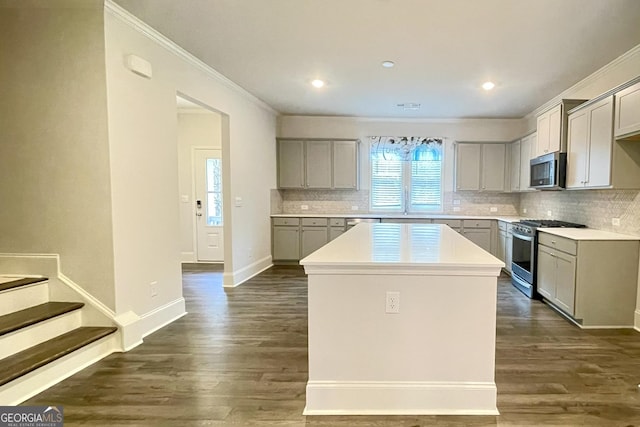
(40, 332)
(29, 385)
(23, 297)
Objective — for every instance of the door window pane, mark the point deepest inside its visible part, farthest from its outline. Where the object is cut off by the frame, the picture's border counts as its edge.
(214, 191)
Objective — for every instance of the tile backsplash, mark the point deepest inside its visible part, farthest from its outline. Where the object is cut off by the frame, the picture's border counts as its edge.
(594, 208)
(353, 202)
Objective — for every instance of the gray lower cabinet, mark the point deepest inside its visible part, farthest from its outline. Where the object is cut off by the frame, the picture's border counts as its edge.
(557, 277)
(508, 258)
(286, 243)
(478, 231)
(505, 241)
(313, 238)
(295, 238)
(592, 281)
(455, 224)
(337, 226)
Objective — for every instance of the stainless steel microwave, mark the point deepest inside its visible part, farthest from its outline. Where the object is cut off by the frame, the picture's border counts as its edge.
(548, 172)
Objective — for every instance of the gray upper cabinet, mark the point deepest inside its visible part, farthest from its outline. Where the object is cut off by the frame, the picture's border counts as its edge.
(627, 121)
(594, 158)
(527, 146)
(552, 127)
(493, 161)
(291, 164)
(468, 166)
(345, 161)
(480, 166)
(514, 167)
(590, 143)
(318, 164)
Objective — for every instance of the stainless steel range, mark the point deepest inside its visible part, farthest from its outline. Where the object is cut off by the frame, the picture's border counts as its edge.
(524, 252)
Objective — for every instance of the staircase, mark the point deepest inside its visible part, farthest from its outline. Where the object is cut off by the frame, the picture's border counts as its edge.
(41, 341)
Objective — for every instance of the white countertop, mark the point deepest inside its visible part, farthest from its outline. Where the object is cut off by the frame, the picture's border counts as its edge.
(509, 219)
(402, 245)
(587, 234)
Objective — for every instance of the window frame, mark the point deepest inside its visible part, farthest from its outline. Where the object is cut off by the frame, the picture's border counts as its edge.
(407, 184)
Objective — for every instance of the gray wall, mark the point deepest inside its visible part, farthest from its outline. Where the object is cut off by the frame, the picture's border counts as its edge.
(54, 153)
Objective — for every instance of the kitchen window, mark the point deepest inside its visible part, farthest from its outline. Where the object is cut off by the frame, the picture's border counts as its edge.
(406, 176)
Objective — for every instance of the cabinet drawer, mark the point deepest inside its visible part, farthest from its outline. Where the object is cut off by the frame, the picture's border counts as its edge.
(559, 243)
(509, 228)
(502, 226)
(453, 223)
(286, 221)
(314, 222)
(336, 222)
(477, 223)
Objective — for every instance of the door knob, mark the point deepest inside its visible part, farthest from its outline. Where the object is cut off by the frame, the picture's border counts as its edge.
(198, 213)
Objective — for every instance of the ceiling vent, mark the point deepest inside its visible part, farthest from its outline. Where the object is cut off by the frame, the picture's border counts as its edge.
(409, 106)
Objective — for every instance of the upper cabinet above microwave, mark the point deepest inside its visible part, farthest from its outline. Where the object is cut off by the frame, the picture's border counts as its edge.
(627, 113)
(552, 127)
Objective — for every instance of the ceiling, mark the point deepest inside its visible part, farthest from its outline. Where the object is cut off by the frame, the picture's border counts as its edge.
(443, 50)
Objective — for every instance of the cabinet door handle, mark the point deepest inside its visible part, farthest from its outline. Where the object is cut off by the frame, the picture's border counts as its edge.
(553, 242)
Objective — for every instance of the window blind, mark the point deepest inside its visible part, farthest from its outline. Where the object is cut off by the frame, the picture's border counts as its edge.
(386, 184)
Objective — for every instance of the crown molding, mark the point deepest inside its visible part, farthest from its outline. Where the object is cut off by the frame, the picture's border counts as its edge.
(145, 29)
(410, 120)
(591, 78)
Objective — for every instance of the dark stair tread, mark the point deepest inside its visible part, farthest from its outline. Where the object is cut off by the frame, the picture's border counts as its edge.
(32, 315)
(21, 282)
(35, 357)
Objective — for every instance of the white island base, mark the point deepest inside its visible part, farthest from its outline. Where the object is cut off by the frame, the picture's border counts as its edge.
(436, 356)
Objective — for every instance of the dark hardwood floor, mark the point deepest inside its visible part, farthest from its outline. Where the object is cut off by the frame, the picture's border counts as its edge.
(240, 358)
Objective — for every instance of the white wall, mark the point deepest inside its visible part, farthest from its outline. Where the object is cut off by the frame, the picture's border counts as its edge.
(196, 128)
(615, 73)
(55, 195)
(144, 164)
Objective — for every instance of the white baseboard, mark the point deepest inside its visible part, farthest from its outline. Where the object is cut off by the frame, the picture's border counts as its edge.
(188, 257)
(134, 328)
(162, 316)
(400, 398)
(238, 277)
(636, 320)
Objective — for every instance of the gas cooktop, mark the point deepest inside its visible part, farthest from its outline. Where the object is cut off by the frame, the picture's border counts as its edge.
(550, 223)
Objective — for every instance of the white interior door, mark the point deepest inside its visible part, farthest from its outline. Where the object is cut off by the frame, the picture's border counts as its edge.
(208, 206)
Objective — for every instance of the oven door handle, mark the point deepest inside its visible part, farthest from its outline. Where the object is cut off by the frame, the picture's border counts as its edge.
(521, 282)
(521, 237)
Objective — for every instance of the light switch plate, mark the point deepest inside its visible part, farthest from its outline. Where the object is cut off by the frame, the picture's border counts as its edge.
(493, 209)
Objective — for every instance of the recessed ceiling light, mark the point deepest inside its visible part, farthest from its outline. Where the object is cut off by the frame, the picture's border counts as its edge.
(388, 64)
(317, 83)
(488, 85)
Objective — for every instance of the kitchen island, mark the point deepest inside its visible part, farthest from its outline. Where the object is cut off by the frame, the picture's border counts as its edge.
(401, 321)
